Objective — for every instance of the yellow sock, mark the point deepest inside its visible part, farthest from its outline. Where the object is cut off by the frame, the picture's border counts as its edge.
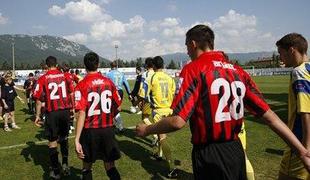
(249, 170)
(166, 151)
(147, 121)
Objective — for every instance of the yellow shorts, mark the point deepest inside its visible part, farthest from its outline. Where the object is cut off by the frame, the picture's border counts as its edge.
(146, 109)
(292, 166)
(158, 114)
(242, 136)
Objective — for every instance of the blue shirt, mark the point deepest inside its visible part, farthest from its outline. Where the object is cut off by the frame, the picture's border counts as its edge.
(118, 79)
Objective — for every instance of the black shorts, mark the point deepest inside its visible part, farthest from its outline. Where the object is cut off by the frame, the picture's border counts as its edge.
(99, 144)
(11, 107)
(121, 94)
(220, 161)
(57, 124)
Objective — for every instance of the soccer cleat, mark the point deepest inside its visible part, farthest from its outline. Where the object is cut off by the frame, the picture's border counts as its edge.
(140, 112)
(14, 126)
(53, 175)
(70, 131)
(72, 128)
(66, 170)
(172, 174)
(155, 142)
(7, 129)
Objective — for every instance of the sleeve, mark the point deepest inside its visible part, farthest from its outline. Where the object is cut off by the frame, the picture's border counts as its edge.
(125, 82)
(80, 98)
(143, 87)
(184, 102)
(37, 94)
(301, 88)
(253, 99)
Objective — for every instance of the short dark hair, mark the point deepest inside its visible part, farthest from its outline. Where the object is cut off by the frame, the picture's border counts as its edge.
(148, 63)
(138, 68)
(113, 64)
(91, 61)
(202, 35)
(31, 74)
(158, 62)
(77, 71)
(51, 61)
(293, 40)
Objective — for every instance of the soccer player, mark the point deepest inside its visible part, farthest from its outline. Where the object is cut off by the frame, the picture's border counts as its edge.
(161, 93)
(97, 102)
(143, 95)
(29, 87)
(213, 95)
(56, 90)
(119, 80)
(293, 52)
(8, 95)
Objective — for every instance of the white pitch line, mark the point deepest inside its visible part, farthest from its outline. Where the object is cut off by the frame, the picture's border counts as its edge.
(21, 145)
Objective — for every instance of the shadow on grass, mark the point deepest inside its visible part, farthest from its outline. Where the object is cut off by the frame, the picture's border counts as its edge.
(38, 155)
(280, 110)
(130, 133)
(275, 151)
(157, 169)
(41, 135)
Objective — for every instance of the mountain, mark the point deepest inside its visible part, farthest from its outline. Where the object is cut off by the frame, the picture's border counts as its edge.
(34, 49)
(241, 57)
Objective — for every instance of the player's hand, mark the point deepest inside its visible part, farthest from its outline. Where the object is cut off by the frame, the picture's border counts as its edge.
(79, 150)
(306, 160)
(141, 129)
(38, 121)
(6, 106)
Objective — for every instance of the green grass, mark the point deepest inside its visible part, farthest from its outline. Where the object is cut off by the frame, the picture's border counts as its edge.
(31, 160)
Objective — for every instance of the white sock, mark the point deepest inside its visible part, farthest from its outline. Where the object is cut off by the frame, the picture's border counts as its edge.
(118, 122)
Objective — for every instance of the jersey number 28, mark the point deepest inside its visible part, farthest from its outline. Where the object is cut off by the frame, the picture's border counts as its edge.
(237, 90)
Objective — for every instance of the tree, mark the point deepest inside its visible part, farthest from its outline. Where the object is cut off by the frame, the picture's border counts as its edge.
(139, 62)
(5, 65)
(172, 65)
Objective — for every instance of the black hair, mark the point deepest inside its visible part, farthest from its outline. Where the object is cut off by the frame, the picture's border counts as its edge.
(91, 61)
(30, 75)
(148, 62)
(158, 62)
(202, 35)
(51, 61)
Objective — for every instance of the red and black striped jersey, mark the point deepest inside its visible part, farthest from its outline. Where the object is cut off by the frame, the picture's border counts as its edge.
(54, 88)
(212, 95)
(98, 97)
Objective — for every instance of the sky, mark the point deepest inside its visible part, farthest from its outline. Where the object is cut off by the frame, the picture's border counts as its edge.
(144, 28)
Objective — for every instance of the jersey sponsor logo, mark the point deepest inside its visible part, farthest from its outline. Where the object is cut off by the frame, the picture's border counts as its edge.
(97, 82)
(223, 65)
(53, 76)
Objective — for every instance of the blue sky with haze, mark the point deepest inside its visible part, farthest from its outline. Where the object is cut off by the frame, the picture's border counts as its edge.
(155, 27)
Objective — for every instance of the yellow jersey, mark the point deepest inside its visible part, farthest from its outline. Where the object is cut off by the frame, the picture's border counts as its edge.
(162, 90)
(144, 86)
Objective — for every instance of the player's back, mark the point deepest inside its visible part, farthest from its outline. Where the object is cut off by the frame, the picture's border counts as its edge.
(98, 96)
(117, 78)
(162, 89)
(56, 89)
(219, 91)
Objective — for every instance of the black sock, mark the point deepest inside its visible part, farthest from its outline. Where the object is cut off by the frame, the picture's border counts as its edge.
(54, 159)
(87, 174)
(29, 106)
(113, 174)
(64, 150)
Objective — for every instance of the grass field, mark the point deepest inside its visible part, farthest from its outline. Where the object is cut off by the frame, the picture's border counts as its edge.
(29, 160)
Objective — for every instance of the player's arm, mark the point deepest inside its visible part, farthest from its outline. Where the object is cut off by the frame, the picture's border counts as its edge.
(79, 128)
(166, 125)
(38, 113)
(305, 118)
(4, 103)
